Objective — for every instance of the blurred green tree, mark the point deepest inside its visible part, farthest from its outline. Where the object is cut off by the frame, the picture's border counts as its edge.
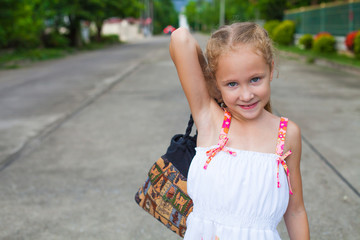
(24, 23)
(272, 9)
(164, 14)
(192, 14)
(204, 15)
(20, 26)
(240, 10)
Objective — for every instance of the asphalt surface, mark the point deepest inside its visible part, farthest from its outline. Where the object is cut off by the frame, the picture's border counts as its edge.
(79, 134)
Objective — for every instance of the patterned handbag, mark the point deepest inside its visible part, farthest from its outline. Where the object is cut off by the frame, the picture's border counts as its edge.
(164, 194)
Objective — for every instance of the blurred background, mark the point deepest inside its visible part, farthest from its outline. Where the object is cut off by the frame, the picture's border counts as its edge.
(35, 30)
(89, 99)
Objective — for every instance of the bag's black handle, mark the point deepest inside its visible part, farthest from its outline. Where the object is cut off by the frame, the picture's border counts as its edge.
(189, 127)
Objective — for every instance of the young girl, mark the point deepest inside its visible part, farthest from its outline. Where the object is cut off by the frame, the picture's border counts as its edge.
(238, 180)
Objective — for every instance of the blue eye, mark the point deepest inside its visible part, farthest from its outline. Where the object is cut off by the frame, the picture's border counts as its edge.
(255, 80)
(232, 84)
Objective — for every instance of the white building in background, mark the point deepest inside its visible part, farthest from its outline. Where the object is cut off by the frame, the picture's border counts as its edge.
(126, 29)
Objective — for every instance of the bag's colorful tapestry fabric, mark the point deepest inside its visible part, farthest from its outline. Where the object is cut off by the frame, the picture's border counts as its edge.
(164, 195)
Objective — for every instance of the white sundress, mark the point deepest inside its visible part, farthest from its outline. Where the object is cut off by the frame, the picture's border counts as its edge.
(238, 194)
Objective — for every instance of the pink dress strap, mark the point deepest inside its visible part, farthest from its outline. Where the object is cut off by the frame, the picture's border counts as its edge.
(223, 139)
(280, 151)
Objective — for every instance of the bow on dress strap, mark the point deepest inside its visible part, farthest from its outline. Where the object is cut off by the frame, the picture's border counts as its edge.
(223, 139)
(281, 159)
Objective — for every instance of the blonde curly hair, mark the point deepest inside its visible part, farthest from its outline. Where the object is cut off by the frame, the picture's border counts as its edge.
(226, 39)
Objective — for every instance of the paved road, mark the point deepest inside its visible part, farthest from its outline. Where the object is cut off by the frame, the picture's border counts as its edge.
(91, 146)
(35, 99)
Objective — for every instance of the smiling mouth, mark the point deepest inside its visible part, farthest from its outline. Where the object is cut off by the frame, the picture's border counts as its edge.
(251, 106)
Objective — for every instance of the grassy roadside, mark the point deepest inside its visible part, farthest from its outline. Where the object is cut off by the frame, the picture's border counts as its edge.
(312, 56)
(11, 59)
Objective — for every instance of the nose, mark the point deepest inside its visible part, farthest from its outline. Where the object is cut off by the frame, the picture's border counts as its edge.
(245, 94)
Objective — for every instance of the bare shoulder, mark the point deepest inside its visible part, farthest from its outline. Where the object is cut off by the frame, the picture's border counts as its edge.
(293, 131)
(293, 137)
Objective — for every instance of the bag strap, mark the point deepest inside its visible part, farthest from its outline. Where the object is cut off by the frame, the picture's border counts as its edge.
(189, 127)
(182, 149)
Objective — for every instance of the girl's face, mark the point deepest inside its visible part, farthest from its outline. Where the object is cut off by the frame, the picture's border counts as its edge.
(243, 78)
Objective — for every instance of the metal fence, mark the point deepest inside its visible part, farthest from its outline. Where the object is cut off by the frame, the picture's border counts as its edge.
(337, 18)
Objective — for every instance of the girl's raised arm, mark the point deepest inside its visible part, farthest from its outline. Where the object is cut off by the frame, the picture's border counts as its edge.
(190, 64)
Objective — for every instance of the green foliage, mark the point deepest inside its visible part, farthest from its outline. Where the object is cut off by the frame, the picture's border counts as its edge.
(306, 41)
(16, 58)
(39, 54)
(20, 25)
(3, 39)
(239, 10)
(192, 14)
(311, 56)
(56, 40)
(164, 14)
(270, 26)
(357, 45)
(204, 15)
(209, 16)
(110, 39)
(284, 33)
(24, 22)
(310, 60)
(321, 34)
(324, 44)
(272, 9)
(124, 8)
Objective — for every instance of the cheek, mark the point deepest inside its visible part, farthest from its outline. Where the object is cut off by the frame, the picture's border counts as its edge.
(229, 96)
(265, 91)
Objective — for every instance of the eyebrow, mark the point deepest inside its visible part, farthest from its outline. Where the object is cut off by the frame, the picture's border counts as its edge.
(251, 76)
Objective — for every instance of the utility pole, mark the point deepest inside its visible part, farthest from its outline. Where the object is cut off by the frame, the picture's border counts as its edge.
(148, 16)
(151, 13)
(222, 13)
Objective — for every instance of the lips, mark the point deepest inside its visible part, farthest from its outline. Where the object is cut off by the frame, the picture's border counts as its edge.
(247, 107)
